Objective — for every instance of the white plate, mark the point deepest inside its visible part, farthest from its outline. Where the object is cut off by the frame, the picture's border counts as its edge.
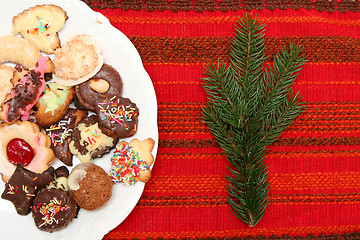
(119, 52)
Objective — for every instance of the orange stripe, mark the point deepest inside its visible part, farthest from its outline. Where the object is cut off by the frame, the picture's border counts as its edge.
(229, 19)
(279, 182)
(233, 233)
(221, 201)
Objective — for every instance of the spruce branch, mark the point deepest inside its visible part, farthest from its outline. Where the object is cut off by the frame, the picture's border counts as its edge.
(248, 108)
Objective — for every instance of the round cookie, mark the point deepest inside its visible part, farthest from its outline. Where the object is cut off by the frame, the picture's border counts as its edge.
(90, 185)
(117, 116)
(106, 83)
(77, 61)
(53, 104)
(23, 143)
(53, 209)
(88, 141)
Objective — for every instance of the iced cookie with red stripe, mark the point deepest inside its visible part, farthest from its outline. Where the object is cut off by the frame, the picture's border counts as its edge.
(117, 116)
(88, 141)
(131, 161)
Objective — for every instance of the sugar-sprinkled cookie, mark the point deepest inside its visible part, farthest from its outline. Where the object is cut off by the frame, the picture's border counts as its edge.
(106, 83)
(117, 115)
(60, 134)
(131, 161)
(53, 209)
(88, 141)
(23, 186)
(40, 24)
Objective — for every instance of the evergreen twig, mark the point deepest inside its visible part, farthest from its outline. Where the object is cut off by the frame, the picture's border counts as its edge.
(249, 107)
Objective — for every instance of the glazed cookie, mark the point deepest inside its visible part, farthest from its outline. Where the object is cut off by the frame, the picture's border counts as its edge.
(18, 50)
(117, 116)
(61, 175)
(60, 134)
(131, 161)
(88, 141)
(40, 25)
(23, 186)
(6, 75)
(26, 92)
(53, 104)
(77, 61)
(53, 209)
(23, 143)
(90, 185)
(106, 83)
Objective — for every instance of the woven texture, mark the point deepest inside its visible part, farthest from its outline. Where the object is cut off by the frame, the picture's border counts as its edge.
(314, 167)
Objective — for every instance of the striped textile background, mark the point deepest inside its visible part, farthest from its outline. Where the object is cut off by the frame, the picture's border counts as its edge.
(314, 168)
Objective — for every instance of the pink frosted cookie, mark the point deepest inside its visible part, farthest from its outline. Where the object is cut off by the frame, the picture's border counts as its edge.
(131, 161)
(26, 92)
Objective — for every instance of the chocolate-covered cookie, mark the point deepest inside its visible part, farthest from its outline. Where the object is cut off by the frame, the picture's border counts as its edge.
(107, 82)
(118, 115)
(23, 186)
(60, 134)
(53, 209)
(88, 141)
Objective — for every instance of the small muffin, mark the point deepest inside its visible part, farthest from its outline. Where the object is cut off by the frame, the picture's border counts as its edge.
(53, 209)
(90, 185)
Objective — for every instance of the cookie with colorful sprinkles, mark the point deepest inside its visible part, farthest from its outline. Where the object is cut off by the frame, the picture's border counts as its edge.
(88, 141)
(53, 209)
(117, 116)
(60, 134)
(131, 161)
(23, 186)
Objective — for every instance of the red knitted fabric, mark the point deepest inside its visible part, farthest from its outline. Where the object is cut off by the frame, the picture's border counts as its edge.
(314, 167)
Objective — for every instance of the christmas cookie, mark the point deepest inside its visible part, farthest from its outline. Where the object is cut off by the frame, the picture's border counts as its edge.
(90, 185)
(106, 83)
(61, 175)
(77, 61)
(88, 141)
(23, 143)
(6, 75)
(60, 134)
(53, 104)
(18, 50)
(53, 209)
(131, 161)
(40, 25)
(26, 92)
(117, 116)
(23, 186)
